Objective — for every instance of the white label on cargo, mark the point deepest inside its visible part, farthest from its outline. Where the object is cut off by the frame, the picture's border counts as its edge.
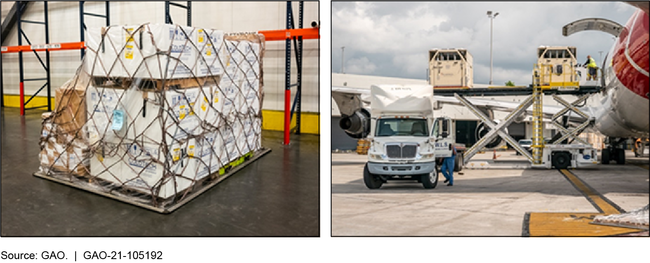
(118, 120)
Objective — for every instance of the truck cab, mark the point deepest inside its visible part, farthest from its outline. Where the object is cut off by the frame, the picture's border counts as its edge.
(444, 133)
(402, 139)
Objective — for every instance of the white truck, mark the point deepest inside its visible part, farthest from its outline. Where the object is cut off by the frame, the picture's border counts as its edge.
(404, 136)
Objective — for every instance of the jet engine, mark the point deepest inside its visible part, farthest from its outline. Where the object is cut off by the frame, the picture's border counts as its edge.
(356, 125)
(482, 130)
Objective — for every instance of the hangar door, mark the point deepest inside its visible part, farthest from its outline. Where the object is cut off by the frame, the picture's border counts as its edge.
(466, 132)
(517, 130)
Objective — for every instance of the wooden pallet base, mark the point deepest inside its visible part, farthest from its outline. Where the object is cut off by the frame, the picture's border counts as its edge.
(231, 168)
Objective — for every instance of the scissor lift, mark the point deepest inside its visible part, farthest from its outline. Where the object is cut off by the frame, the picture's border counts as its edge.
(554, 74)
(535, 100)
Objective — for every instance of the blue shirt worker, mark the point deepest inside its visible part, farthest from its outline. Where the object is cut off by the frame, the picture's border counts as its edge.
(448, 167)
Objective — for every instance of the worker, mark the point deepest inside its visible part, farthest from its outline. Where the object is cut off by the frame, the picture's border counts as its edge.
(448, 167)
(592, 72)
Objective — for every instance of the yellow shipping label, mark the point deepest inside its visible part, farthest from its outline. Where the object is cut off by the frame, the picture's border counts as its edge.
(128, 53)
(204, 104)
(129, 35)
(181, 112)
(190, 151)
(176, 153)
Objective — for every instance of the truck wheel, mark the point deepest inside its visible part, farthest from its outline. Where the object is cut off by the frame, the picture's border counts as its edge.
(372, 181)
(604, 159)
(561, 160)
(620, 156)
(430, 180)
(458, 163)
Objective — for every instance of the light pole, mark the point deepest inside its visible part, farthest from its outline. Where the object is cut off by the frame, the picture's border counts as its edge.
(342, 60)
(489, 13)
(600, 58)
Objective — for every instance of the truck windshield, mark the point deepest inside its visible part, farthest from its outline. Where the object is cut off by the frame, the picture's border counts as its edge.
(401, 127)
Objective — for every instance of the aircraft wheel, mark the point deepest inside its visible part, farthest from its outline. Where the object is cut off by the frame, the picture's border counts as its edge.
(620, 156)
(604, 158)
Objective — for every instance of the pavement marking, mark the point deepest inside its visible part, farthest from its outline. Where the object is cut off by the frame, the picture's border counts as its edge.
(575, 224)
(601, 203)
(569, 224)
(644, 166)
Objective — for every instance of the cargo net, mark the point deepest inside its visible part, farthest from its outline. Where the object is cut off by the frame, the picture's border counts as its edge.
(156, 111)
(637, 219)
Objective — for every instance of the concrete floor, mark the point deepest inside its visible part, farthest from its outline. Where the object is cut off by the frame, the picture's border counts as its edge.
(278, 195)
(481, 202)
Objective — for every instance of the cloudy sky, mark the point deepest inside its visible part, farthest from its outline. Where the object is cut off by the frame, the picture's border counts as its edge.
(392, 39)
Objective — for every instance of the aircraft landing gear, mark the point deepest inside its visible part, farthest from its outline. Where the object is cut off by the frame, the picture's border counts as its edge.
(614, 151)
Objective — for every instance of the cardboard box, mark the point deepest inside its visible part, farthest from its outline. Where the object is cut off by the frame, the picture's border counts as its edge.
(106, 161)
(102, 103)
(248, 135)
(211, 107)
(141, 167)
(103, 46)
(250, 89)
(70, 112)
(125, 48)
(208, 152)
(210, 44)
(233, 99)
(178, 114)
(67, 158)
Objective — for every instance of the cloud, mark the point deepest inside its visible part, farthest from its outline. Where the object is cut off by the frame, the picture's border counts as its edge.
(395, 37)
(361, 66)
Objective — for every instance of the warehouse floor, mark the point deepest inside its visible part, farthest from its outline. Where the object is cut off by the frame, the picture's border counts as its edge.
(277, 195)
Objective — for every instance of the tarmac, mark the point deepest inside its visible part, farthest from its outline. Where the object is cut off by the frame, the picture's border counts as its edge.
(505, 201)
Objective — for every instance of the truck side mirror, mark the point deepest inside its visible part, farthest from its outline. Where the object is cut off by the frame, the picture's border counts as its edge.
(445, 128)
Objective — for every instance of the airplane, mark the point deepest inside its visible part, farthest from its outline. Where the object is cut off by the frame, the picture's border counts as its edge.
(624, 105)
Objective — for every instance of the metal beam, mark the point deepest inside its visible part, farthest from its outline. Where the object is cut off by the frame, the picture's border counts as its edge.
(496, 129)
(188, 8)
(573, 133)
(12, 17)
(571, 106)
(598, 24)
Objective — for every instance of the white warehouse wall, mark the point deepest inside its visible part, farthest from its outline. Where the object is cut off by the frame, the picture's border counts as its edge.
(227, 16)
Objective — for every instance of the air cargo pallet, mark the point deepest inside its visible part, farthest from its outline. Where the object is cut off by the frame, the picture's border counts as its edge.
(147, 201)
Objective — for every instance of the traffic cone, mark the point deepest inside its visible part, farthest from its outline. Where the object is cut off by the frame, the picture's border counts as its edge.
(494, 156)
